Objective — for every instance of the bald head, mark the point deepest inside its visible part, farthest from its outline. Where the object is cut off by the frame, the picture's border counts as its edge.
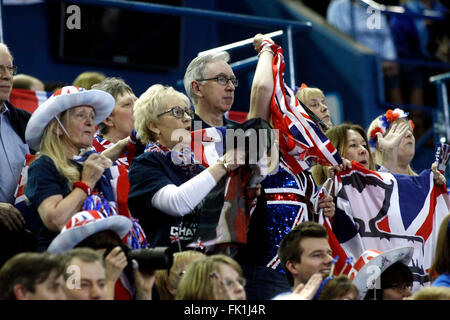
(6, 77)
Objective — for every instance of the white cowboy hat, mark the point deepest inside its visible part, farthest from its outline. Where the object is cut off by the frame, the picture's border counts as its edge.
(84, 224)
(62, 100)
(372, 263)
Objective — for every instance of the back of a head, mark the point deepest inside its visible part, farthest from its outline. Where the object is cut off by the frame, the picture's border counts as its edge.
(27, 269)
(167, 281)
(114, 86)
(441, 262)
(87, 79)
(25, 81)
(197, 70)
(289, 249)
(432, 293)
(337, 288)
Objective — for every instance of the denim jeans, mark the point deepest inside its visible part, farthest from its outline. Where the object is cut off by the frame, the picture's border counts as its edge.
(264, 283)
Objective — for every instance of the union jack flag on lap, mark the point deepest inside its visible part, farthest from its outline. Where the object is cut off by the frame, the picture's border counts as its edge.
(302, 143)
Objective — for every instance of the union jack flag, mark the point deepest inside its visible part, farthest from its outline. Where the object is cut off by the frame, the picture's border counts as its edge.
(383, 211)
(302, 143)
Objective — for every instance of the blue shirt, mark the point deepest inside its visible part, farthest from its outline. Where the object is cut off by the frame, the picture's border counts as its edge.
(12, 157)
(442, 281)
(368, 27)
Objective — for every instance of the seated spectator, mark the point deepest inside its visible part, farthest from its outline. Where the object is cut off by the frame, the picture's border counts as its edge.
(216, 277)
(24, 81)
(85, 275)
(61, 129)
(432, 293)
(339, 288)
(167, 280)
(440, 269)
(87, 79)
(119, 124)
(90, 229)
(353, 18)
(33, 276)
(166, 186)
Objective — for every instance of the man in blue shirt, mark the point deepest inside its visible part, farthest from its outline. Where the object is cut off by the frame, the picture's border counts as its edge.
(13, 149)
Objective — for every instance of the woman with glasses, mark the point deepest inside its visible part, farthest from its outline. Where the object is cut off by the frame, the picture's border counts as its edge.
(166, 186)
(216, 277)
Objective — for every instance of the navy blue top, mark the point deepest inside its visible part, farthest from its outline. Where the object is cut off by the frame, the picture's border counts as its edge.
(148, 173)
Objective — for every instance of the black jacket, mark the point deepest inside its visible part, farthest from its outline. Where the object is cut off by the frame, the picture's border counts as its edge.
(18, 119)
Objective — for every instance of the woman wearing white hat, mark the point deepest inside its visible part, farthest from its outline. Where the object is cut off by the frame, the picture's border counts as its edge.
(60, 129)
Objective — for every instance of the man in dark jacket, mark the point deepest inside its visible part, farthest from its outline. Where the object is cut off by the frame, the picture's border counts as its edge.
(13, 149)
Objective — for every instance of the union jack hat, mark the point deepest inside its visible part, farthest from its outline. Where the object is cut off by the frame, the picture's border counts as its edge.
(62, 100)
(84, 224)
(372, 263)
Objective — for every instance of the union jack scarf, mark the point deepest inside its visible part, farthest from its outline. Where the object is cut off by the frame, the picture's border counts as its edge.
(302, 143)
(100, 144)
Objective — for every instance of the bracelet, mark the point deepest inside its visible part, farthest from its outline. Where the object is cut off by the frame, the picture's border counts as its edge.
(225, 165)
(264, 50)
(83, 186)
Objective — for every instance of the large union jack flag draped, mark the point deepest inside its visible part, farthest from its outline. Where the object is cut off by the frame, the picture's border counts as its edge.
(382, 211)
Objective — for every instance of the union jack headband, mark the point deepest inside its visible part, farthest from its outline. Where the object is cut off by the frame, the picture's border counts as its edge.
(384, 122)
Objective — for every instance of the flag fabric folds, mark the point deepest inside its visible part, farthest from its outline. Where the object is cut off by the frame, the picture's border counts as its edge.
(383, 211)
(302, 143)
(28, 100)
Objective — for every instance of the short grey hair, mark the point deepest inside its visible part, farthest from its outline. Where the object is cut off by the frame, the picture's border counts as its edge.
(197, 70)
(149, 105)
(4, 47)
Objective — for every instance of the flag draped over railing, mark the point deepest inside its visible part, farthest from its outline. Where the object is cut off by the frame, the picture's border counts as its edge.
(302, 143)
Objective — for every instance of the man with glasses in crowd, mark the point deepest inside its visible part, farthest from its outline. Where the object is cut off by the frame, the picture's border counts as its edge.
(210, 83)
(13, 149)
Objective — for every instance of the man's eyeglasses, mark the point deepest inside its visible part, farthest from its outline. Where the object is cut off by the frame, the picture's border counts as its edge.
(223, 80)
(178, 112)
(11, 69)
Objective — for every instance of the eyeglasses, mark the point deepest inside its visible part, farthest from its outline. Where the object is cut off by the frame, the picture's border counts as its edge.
(12, 70)
(223, 80)
(231, 284)
(178, 112)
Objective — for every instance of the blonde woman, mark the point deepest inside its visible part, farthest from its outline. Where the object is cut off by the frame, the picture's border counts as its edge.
(167, 280)
(216, 277)
(61, 129)
(314, 99)
(166, 186)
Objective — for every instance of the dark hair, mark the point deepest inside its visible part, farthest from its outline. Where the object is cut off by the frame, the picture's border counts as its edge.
(106, 239)
(398, 273)
(28, 269)
(290, 249)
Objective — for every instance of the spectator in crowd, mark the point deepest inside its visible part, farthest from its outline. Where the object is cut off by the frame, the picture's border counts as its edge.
(164, 190)
(90, 229)
(61, 129)
(25, 81)
(432, 293)
(353, 18)
(273, 217)
(33, 276)
(85, 275)
(440, 269)
(216, 277)
(167, 281)
(339, 288)
(305, 251)
(13, 122)
(210, 83)
(314, 100)
(351, 142)
(394, 279)
(87, 79)
(118, 125)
